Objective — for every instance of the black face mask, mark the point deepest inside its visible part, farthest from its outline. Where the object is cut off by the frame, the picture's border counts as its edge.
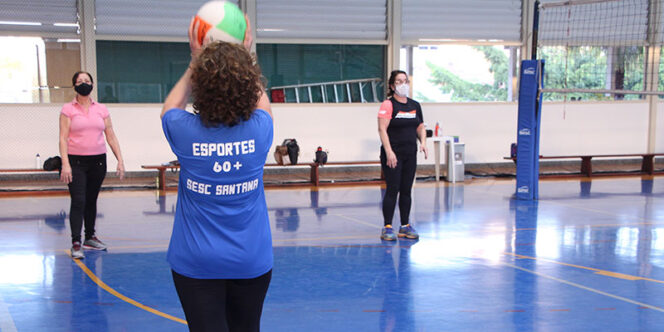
(83, 89)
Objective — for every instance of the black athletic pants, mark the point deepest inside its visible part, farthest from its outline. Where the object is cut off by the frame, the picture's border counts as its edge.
(88, 173)
(222, 304)
(398, 181)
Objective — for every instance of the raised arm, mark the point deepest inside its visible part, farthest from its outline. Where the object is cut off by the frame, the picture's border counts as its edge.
(180, 93)
(263, 101)
(264, 104)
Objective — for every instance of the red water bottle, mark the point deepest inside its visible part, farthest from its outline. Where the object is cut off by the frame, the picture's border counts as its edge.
(437, 130)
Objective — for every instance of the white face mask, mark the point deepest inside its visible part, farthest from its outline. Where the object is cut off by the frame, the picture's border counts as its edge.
(402, 90)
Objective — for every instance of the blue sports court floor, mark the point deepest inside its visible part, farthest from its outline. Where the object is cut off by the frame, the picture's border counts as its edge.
(588, 256)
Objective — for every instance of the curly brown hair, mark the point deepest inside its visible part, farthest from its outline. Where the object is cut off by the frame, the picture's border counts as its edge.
(226, 84)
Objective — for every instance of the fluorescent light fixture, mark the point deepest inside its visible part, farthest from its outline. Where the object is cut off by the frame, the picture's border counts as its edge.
(437, 40)
(19, 23)
(66, 40)
(74, 25)
(272, 30)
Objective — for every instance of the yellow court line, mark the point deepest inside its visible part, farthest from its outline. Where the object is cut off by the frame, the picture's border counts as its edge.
(107, 288)
(598, 211)
(586, 288)
(645, 220)
(597, 271)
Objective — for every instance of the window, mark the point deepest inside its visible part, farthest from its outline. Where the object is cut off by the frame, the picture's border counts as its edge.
(593, 67)
(37, 70)
(321, 69)
(458, 73)
(660, 83)
(139, 72)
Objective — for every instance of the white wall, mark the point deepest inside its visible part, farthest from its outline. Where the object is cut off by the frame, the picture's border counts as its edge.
(349, 131)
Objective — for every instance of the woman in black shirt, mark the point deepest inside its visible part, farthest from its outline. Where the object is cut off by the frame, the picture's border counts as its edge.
(400, 125)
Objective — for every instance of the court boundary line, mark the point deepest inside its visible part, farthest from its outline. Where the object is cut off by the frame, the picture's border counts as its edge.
(643, 220)
(601, 272)
(573, 284)
(362, 222)
(122, 297)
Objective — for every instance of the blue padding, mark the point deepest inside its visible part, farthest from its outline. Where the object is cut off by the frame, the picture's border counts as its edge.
(527, 158)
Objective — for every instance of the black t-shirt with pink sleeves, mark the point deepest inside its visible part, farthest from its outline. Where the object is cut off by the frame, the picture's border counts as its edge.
(404, 120)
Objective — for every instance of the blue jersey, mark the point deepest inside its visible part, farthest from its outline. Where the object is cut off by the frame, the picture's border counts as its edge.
(221, 228)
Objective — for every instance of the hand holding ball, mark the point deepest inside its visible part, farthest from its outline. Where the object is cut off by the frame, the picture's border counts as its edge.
(219, 20)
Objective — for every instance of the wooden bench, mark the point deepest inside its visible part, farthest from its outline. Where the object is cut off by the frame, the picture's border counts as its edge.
(647, 163)
(24, 170)
(314, 173)
(161, 178)
(315, 179)
(161, 185)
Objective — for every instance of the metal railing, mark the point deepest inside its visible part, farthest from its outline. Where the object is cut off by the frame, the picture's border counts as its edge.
(348, 91)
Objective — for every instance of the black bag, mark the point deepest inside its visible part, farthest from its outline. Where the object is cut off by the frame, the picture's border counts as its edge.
(321, 156)
(53, 163)
(513, 150)
(293, 149)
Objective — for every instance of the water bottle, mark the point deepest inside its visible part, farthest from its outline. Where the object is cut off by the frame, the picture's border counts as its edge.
(437, 130)
(38, 161)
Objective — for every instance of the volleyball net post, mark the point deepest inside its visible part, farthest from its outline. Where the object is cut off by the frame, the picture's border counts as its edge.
(594, 50)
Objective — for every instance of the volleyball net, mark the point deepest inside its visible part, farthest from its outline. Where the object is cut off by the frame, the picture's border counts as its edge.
(586, 50)
(600, 49)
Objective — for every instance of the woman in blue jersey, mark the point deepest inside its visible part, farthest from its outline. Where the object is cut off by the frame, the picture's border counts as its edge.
(400, 126)
(221, 247)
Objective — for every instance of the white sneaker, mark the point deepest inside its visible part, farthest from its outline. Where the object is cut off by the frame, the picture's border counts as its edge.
(94, 243)
(76, 251)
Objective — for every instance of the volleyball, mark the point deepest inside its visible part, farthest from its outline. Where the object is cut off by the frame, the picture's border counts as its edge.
(220, 20)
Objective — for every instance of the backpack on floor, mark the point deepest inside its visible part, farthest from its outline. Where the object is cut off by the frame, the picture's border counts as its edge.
(293, 149)
(321, 156)
(53, 163)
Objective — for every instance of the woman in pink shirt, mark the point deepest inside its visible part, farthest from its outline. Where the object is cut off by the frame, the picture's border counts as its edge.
(83, 124)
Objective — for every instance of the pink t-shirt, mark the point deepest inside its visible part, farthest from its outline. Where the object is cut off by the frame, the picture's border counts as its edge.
(86, 132)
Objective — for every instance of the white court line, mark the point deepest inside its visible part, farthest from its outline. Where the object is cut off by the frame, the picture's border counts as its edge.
(586, 288)
(358, 221)
(6, 321)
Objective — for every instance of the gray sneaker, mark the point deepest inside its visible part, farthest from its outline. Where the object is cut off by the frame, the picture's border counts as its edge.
(76, 251)
(94, 243)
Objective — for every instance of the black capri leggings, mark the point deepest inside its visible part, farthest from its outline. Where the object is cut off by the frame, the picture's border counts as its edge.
(222, 304)
(398, 181)
(88, 173)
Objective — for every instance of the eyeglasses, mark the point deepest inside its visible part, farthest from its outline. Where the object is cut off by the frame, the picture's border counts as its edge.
(398, 82)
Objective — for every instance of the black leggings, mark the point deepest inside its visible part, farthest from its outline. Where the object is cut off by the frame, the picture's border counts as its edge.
(222, 304)
(398, 181)
(88, 173)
